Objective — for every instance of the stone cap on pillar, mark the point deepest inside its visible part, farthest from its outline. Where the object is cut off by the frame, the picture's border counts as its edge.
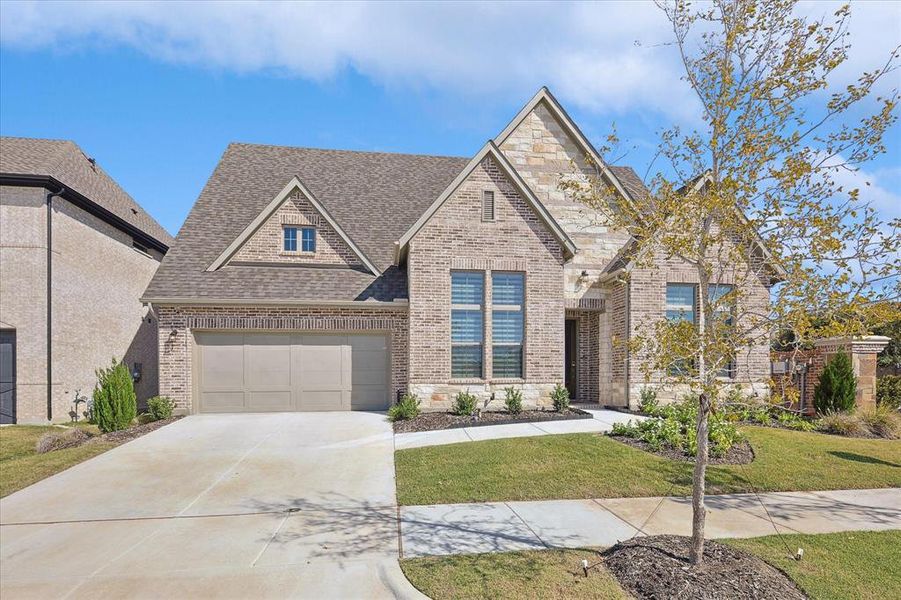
(865, 344)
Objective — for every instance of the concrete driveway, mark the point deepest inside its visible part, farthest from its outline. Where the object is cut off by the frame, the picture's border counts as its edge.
(228, 506)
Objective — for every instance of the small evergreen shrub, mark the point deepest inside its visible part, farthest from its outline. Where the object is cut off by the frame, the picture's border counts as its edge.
(882, 422)
(465, 404)
(513, 400)
(406, 408)
(115, 405)
(64, 438)
(647, 402)
(888, 391)
(841, 423)
(560, 398)
(837, 387)
(160, 407)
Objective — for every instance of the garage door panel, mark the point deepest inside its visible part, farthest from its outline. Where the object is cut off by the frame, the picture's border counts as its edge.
(266, 401)
(222, 401)
(268, 365)
(318, 400)
(285, 372)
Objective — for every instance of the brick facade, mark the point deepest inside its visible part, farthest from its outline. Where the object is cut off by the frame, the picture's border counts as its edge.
(456, 238)
(177, 324)
(267, 243)
(97, 280)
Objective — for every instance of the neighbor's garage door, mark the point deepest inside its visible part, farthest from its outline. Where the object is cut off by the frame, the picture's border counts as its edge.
(258, 372)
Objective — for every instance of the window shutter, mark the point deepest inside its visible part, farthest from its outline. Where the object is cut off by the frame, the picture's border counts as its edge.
(488, 205)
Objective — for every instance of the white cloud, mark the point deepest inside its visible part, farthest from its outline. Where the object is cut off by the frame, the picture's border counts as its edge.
(585, 52)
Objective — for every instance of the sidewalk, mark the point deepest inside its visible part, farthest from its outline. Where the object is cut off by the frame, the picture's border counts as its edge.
(507, 526)
(602, 421)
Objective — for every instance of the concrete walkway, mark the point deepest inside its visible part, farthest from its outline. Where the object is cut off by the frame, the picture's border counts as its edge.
(602, 421)
(507, 526)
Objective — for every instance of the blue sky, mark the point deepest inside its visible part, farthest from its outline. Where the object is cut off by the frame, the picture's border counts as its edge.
(155, 91)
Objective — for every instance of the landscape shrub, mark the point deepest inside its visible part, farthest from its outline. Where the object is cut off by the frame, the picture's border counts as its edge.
(115, 404)
(841, 423)
(647, 402)
(837, 387)
(160, 407)
(465, 404)
(560, 398)
(64, 438)
(674, 427)
(791, 420)
(888, 391)
(513, 400)
(406, 408)
(882, 422)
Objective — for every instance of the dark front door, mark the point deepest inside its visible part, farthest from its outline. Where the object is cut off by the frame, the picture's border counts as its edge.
(7, 376)
(570, 357)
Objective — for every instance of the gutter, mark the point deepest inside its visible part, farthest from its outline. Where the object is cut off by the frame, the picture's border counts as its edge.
(49, 298)
(85, 203)
(377, 304)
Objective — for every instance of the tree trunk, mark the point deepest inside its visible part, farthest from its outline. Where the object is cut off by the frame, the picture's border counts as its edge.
(699, 513)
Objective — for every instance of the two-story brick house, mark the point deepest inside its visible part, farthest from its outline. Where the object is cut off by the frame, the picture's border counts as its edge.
(312, 279)
(76, 253)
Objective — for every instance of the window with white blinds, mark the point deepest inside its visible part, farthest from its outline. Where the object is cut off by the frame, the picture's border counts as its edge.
(507, 296)
(467, 327)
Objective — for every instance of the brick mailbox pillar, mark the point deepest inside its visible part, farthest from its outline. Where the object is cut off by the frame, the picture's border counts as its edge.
(863, 351)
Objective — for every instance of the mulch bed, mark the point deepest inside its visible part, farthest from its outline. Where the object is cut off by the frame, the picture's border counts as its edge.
(432, 421)
(740, 454)
(658, 567)
(126, 435)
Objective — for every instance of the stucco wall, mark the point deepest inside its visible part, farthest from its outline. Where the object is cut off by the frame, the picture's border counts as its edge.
(456, 238)
(98, 278)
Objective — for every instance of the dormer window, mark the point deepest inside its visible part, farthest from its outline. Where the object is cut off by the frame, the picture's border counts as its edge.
(290, 239)
(308, 239)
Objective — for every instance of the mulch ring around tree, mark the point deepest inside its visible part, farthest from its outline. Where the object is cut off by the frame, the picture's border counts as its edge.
(432, 421)
(658, 567)
(740, 454)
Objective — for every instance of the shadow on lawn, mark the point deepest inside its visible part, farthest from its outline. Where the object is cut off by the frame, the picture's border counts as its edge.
(862, 458)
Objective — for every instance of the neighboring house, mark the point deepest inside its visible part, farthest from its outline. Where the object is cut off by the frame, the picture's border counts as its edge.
(312, 279)
(76, 252)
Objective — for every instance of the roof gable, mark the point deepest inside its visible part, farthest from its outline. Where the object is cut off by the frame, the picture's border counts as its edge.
(489, 149)
(544, 96)
(284, 196)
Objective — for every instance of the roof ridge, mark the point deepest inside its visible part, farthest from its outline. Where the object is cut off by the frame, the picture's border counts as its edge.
(373, 152)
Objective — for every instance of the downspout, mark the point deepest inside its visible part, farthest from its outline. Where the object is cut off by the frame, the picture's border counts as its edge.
(50, 196)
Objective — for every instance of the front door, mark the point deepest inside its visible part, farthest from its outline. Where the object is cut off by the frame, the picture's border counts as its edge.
(7, 376)
(570, 357)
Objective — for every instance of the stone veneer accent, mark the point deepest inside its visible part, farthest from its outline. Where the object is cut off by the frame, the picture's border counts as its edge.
(177, 323)
(457, 238)
(267, 243)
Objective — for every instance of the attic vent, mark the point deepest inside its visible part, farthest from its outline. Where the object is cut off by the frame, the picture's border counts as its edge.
(488, 205)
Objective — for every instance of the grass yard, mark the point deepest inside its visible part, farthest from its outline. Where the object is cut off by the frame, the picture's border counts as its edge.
(553, 574)
(588, 465)
(836, 565)
(20, 465)
(856, 564)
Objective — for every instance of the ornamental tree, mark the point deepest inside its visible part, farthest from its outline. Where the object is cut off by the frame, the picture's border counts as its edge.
(753, 199)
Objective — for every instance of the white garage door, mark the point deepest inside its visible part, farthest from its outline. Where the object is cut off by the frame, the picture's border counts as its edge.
(261, 372)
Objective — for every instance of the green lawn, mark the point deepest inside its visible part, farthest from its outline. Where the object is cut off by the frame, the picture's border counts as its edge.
(20, 465)
(553, 574)
(835, 565)
(854, 564)
(588, 465)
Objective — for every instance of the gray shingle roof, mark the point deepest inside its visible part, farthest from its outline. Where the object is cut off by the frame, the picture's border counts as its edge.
(67, 163)
(375, 197)
(631, 182)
